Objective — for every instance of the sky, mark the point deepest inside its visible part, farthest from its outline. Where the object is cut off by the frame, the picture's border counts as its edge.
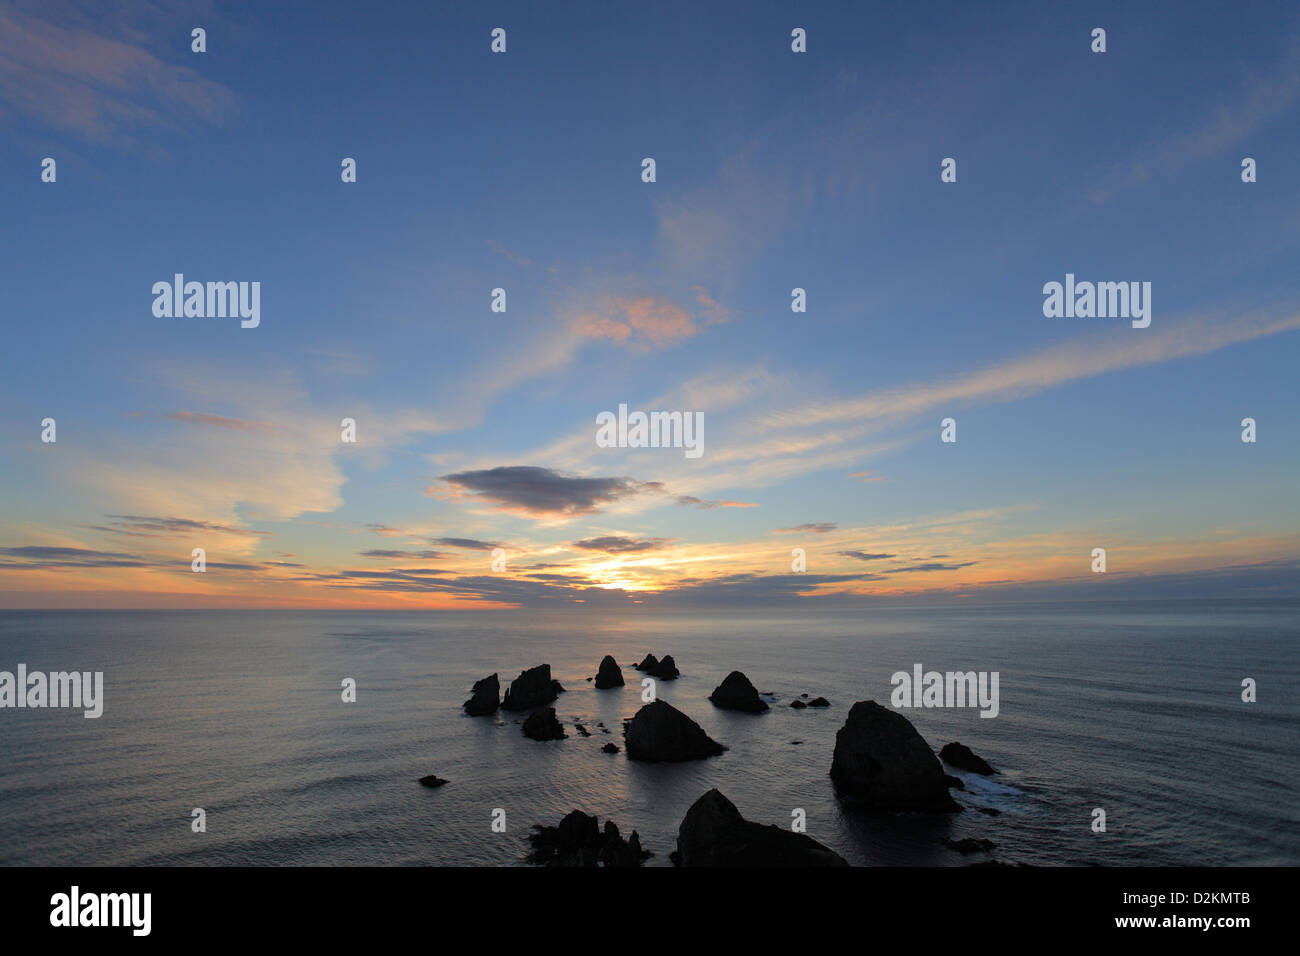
(523, 171)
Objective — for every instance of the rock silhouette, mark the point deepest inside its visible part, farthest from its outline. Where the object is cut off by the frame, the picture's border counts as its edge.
(737, 693)
(881, 760)
(963, 758)
(713, 833)
(969, 845)
(609, 674)
(578, 841)
(819, 702)
(666, 669)
(543, 725)
(647, 662)
(486, 697)
(661, 732)
(432, 780)
(798, 704)
(532, 688)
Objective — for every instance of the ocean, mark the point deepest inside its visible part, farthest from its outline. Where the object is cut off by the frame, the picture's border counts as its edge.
(1135, 709)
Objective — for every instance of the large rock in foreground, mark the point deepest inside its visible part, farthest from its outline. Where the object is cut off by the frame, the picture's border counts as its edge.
(543, 725)
(963, 758)
(486, 697)
(737, 693)
(661, 732)
(532, 688)
(609, 674)
(881, 760)
(577, 841)
(713, 833)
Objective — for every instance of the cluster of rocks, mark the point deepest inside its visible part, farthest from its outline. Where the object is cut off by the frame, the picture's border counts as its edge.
(579, 841)
(665, 669)
(880, 763)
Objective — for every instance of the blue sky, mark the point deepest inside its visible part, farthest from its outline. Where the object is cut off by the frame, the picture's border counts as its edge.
(521, 171)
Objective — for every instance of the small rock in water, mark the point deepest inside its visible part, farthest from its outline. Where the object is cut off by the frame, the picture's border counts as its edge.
(582, 730)
(608, 674)
(647, 662)
(531, 689)
(432, 780)
(990, 811)
(819, 702)
(963, 758)
(486, 697)
(610, 748)
(542, 725)
(969, 845)
(954, 783)
(666, 669)
(798, 705)
(737, 693)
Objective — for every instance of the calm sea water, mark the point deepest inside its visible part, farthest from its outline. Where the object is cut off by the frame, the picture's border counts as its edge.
(1135, 709)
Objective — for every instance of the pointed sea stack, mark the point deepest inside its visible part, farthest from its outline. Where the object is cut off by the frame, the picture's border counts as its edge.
(609, 675)
(532, 688)
(881, 760)
(648, 662)
(486, 697)
(737, 693)
(661, 732)
(713, 833)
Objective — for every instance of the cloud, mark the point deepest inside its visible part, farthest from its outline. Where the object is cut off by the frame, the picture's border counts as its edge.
(468, 544)
(617, 544)
(140, 526)
(220, 421)
(1058, 365)
(381, 553)
(648, 322)
(929, 566)
(709, 505)
(105, 90)
(815, 527)
(535, 491)
(864, 556)
(35, 557)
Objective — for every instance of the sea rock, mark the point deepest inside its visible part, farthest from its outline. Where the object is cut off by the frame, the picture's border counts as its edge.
(432, 780)
(532, 688)
(798, 704)
(969, 845)
(542, 725)
(610, 748)
(883, 762)
(486, 697)
(819, 702)
(661, 732)
(647, 662)
(737, 693)
(609, 674)
(666, 669)
(578, 841)
(963, 758)
(990, 811)
(713, 833)
(953, 783)
(582, 730)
